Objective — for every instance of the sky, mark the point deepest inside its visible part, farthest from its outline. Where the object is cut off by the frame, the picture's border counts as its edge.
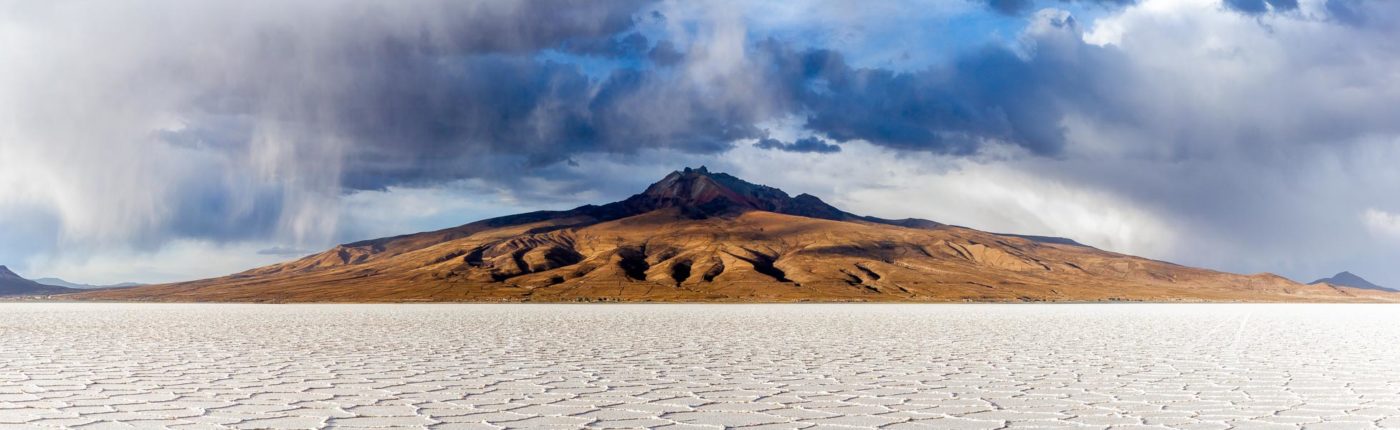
(159, 141)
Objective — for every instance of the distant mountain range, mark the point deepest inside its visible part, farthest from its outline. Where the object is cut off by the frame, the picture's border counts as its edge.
(702, 236)
(1347, 279)
(12, 284)
(62, 283)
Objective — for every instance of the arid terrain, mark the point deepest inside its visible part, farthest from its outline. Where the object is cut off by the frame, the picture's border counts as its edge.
(699, 366)
(702, 236)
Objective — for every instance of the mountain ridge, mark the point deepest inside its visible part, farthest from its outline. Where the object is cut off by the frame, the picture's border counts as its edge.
(57, 282)
(1348, 279)
(696, 235)
(11, 284)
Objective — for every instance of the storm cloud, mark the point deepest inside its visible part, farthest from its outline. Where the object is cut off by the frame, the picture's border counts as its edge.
(1261, 6)
(416, 100)
(810, 144)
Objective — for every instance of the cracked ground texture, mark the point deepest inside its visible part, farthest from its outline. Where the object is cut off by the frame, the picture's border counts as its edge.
(1121, 366)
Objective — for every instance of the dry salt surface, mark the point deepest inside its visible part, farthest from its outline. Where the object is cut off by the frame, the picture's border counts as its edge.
(699, 366)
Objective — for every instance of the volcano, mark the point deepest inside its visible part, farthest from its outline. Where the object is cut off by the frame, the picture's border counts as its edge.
(1348, 279)
(12, 284)
(698, 236)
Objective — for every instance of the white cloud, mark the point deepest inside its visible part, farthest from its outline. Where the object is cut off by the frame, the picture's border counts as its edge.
(1001, 198)
(990, 194)
(1382, 222)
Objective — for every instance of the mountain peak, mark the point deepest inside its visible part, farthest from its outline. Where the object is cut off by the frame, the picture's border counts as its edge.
(699, 192)
(12, 284)
(1348, 279)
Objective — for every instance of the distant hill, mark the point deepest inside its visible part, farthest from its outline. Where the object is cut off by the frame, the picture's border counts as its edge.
(65, 284)
(701, 236)
(1348, 279)
(12, 284)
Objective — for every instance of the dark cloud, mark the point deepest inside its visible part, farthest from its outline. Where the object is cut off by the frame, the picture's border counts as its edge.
(411, 102)
(418, 104)
(224, 122)
(992, 95)
(1256, 7)
(417, 121)
(524, 26)
(989, 95)
(405, 107)
(421, 103)
(810, 144)
(1346, 11)
(665, 54)
(631, 45)
(414, 114)
(1010, 6)
(414, 119)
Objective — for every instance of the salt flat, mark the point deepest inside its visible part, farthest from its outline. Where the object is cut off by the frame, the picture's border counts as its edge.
(699, 366)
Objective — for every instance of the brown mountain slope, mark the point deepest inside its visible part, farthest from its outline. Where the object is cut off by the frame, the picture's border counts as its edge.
(701, 236)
